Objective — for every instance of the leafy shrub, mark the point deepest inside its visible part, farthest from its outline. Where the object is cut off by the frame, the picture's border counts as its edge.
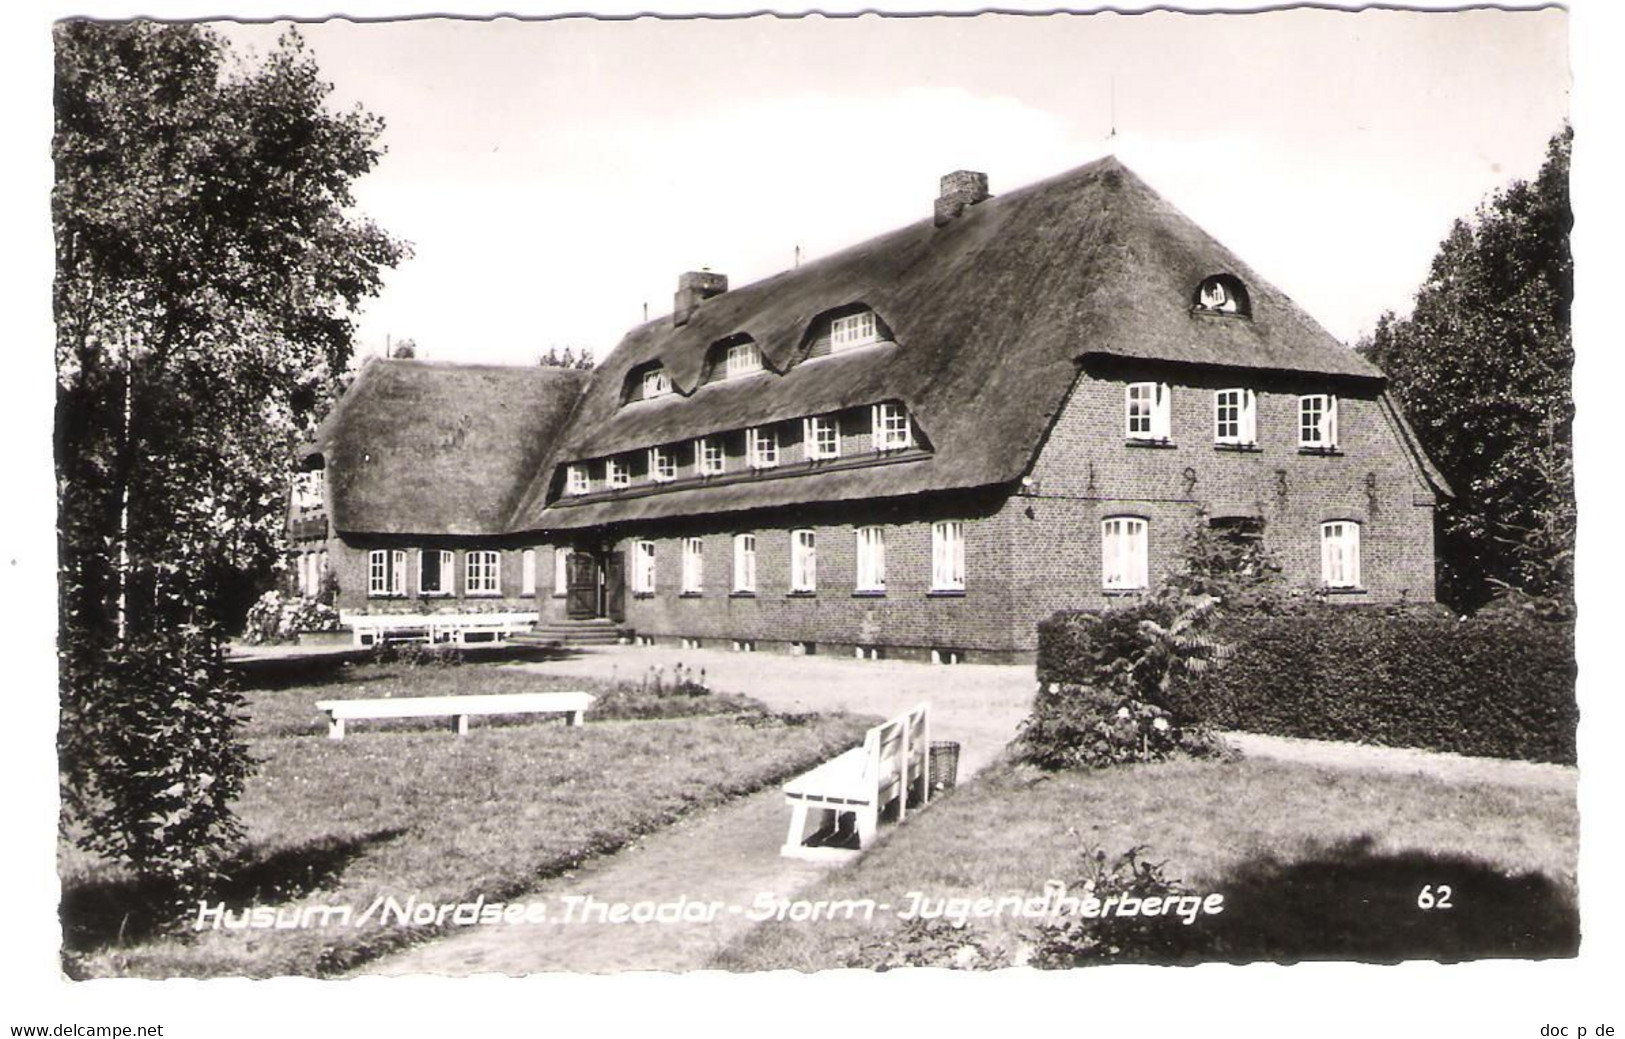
(276, 617)
(931, 943)
(417, 654)
(1108, 679)
(1499, 684)
(1077, 726)
(1075, 940)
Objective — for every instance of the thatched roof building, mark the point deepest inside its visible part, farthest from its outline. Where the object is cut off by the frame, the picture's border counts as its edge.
(991, 314)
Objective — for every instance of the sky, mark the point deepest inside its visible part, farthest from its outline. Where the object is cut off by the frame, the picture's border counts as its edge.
(555, 177)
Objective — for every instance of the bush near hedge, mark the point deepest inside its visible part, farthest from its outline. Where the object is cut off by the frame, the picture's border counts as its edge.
(1499, 684)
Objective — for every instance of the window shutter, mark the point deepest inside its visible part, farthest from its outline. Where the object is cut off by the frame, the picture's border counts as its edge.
(1160, 424)
(397, 572)
(1249, 417)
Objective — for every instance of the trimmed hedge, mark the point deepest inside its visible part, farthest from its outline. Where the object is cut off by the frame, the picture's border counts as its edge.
(1495, 685)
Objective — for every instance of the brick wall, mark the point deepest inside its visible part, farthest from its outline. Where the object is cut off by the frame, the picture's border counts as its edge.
(348, 559)
(1087, 472)
(908, 620)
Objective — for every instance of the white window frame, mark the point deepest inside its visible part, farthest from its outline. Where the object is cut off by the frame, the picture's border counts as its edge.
(762, 447)
(948, 556)
(803, 561)
(656, 383)
(814, 430)
(1240, 428)
(617, 473)
(1317, 421)
(885, 433)
(644, 573)
(711, 456)
(745, 562)
(1125, 553)
(853, 330)
(1340, 553)
(448, 572)
(662, 465)
(741, 359)
(482, 572)
(693, 566)
(386, 573)
(871, 559)
(1146, 407)
(577, 480)
(561, 570)
(527, 572)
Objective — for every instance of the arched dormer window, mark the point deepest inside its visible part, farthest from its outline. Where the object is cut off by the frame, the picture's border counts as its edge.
(846, 328)
(646, 382)
(732, 358)
(1223, 294)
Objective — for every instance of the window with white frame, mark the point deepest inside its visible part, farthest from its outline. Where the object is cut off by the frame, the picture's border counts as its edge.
(744, 562)
(656, 383)
(527, 572)
(712, 459)
(1147, 411)
(853, 330)
(617, 473)
(871, 559)
(693, 566)
(742, 359)
(576, 479)
(437, 570)
(948, 556)
(643, 568)
(1124, 553)
(1317, 421)
(1340, 554)
(482, 573)
(803, 561)
(1235, 417)
(386, 572)
(307, 493)
(561, 570)
(762, 447)
(662, 464)
(822, 435)
(891, 429)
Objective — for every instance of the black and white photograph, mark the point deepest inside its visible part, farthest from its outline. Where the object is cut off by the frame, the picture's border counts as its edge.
(902, 498)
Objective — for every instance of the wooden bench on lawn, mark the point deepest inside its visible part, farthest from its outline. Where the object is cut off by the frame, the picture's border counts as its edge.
(893, 764)
(574, 705)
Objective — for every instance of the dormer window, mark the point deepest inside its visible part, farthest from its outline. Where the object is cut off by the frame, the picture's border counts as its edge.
(822, 435)
(662, 464)
(761, 447)
(853, 330)
(742, 359)
(618, 473)
(576, 480)
(709, 453)
(892, 431)
(656, 383)
(1223, 294)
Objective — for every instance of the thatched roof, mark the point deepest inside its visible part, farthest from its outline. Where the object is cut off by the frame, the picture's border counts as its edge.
(991, 314)
(421, 448)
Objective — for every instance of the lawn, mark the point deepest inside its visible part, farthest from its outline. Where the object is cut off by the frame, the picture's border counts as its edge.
(410, 810)
(1314, 863)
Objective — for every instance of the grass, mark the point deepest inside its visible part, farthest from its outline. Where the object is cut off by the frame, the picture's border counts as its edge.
(405, 812)
(1315, 863)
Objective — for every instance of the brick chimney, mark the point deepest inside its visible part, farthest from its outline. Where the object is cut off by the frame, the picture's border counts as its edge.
(693, 288)
(960, 189)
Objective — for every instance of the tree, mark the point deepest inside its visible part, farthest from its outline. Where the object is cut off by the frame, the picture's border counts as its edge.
(1483, 369)
(207, 273)
(405, 350)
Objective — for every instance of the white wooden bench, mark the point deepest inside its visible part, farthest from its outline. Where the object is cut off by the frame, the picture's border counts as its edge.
(574, 705)
(892, 765)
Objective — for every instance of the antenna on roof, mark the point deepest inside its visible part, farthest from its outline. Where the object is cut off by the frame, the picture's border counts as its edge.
(1112, 136)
